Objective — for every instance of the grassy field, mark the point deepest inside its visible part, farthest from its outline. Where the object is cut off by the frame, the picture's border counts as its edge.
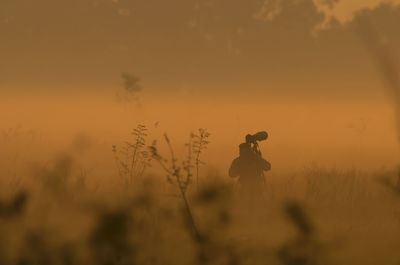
(55, 215)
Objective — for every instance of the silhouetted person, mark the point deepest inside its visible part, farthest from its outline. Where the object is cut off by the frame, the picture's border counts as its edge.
(249, 167)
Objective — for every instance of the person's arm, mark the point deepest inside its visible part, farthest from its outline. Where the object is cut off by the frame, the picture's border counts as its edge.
(264, 164)
(267, 165)
(233, 170)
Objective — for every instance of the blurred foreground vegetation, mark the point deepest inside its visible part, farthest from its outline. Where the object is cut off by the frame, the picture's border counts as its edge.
(316, 216)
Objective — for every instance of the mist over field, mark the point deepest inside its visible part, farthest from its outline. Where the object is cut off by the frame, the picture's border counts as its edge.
(128, 132)
(302, 132)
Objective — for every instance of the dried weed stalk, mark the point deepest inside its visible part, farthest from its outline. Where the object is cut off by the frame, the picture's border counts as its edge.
(178, 174)
(200, 142)
(133, 159)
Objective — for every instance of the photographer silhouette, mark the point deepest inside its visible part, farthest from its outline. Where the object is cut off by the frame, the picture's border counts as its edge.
(250, 166)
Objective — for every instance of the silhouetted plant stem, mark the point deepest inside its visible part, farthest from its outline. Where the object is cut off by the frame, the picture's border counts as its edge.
(195, 231)
(175, 171)
(133, 162)
(199, 144)
(134, 159)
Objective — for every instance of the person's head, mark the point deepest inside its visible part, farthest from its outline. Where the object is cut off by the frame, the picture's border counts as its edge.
(245, 150)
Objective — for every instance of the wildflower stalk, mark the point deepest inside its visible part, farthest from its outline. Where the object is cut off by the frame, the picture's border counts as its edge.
(200, 143)
(175, 175)
(135, 159)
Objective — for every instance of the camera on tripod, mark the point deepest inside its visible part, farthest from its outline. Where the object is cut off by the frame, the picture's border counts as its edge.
(253, 139)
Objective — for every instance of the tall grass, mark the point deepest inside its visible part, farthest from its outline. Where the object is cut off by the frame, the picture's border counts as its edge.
(319, 216)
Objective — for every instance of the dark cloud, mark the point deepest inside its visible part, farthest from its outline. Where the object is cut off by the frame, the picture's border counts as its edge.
(210, 43)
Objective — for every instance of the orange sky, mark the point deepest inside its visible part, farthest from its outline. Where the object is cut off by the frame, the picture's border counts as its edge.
(233, 67)
(332, 134)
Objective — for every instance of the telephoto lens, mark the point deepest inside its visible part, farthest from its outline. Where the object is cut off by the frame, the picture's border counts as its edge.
(260, 136)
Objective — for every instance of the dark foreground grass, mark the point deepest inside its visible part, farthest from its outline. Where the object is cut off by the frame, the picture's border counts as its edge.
(316, 217)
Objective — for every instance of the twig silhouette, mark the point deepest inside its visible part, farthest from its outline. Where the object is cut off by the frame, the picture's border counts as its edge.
(135, 158)
(176, 176)
(200, 142)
